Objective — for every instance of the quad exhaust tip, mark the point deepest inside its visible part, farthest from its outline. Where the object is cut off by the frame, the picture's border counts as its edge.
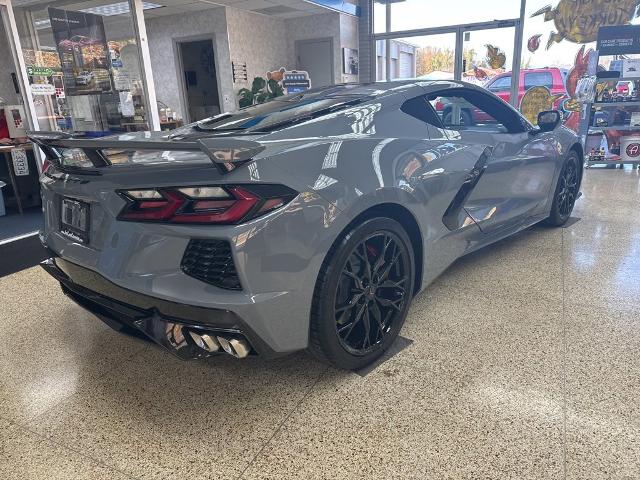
(236, 347)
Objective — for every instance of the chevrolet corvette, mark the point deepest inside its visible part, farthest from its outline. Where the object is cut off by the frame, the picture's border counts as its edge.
(306, 222)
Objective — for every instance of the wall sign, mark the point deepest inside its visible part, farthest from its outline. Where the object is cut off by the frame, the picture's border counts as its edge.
(239, 71)
(295, 81)
(42, 89)
(39, 71)
(619, 40)
(20, 162)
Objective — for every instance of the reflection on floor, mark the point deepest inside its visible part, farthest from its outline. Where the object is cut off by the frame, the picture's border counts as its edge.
(14, 224)
(524, 364)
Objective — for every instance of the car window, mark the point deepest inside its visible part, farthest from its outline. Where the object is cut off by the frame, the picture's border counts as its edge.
(501, 84)
(538, 79)
(471, 109)
(467, 109)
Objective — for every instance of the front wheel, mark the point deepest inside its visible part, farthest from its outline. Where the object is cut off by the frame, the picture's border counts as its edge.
(566, 192)
(363, 294)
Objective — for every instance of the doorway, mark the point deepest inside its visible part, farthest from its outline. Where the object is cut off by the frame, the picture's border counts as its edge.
(199, 79)
(316, 58)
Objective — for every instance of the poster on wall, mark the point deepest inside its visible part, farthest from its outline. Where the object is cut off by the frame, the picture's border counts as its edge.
(350, 61)
(82, 47)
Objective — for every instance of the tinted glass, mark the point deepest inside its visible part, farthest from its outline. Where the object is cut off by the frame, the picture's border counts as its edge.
(538, 79)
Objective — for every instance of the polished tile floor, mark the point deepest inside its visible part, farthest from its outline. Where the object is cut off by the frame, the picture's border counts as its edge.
(525, 364)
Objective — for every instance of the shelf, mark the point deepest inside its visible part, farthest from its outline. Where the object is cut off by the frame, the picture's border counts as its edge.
(622, 128)
(616, 162)
(615, 104)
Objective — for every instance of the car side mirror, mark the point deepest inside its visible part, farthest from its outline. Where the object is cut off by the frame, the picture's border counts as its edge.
(549, 120)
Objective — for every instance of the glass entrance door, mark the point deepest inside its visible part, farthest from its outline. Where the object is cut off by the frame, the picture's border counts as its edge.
(488, 58)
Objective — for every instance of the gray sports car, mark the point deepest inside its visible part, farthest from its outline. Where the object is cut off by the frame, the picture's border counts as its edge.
(308, 222)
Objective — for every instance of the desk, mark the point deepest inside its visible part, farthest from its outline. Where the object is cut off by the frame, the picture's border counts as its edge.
(5, 151)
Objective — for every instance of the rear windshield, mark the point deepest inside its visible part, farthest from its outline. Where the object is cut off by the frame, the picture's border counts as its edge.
(279, 113)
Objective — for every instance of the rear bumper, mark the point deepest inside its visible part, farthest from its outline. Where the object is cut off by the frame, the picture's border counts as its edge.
(166, 323)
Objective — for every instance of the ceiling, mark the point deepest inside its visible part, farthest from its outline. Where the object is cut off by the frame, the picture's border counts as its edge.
(272, 8)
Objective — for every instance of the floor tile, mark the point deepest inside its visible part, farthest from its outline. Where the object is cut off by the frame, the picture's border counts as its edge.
(162, 417)
(529, 262)
(54, 343)
(27, 456)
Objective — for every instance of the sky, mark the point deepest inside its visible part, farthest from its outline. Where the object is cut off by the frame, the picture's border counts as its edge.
(412, 14)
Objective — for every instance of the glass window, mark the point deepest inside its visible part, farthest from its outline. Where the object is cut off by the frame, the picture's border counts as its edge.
(429, 57)
(379, 18)
(414, 14)
(538, 79)
(488, 55)
(84, 66)
(500, 84)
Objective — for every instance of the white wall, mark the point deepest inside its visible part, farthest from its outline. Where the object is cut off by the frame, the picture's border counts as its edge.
(264, 43)
(343, 29)
(312, 27)
(164, 31)
(258, 40)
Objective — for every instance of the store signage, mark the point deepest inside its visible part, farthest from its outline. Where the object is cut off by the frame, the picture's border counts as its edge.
(619, 40)
(42, 89)
(295, 81)
(82, 47)
(39, 71)
(633, 150)
(20, 162)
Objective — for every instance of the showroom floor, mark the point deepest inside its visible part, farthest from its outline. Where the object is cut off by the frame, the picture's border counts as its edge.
(523, 364)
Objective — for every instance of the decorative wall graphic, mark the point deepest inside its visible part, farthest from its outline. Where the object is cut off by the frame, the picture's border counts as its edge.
(536, 100)
(496, 58)
(279, 82)
(534, 43)
(578, 20)
(570, 106)
(82, 47)
(276, 75)
(350, 61)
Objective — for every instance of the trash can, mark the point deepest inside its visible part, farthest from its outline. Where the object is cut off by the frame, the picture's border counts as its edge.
(2, 210)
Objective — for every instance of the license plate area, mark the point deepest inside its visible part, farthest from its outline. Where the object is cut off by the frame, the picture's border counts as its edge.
(74, 219)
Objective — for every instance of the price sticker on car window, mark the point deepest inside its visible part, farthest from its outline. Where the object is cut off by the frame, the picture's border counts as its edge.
(20, 163)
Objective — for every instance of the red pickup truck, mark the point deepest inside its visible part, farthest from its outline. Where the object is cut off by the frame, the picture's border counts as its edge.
(500, 85)
(552, 78)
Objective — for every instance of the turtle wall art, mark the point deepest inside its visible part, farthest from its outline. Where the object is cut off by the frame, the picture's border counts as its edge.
(578, 20)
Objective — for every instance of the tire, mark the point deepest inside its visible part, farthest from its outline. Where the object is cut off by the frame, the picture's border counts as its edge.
(357, 315)
(565, 193)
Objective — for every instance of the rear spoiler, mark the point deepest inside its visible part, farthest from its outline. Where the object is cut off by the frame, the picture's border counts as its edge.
(226, 154)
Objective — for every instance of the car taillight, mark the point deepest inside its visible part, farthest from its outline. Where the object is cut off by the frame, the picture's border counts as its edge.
(227, 204)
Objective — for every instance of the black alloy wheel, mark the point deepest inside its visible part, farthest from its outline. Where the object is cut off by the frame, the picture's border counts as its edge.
(371, 292)
(566, 192)
(363, 294)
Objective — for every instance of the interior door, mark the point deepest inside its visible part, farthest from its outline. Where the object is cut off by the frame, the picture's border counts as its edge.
(316, 58)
